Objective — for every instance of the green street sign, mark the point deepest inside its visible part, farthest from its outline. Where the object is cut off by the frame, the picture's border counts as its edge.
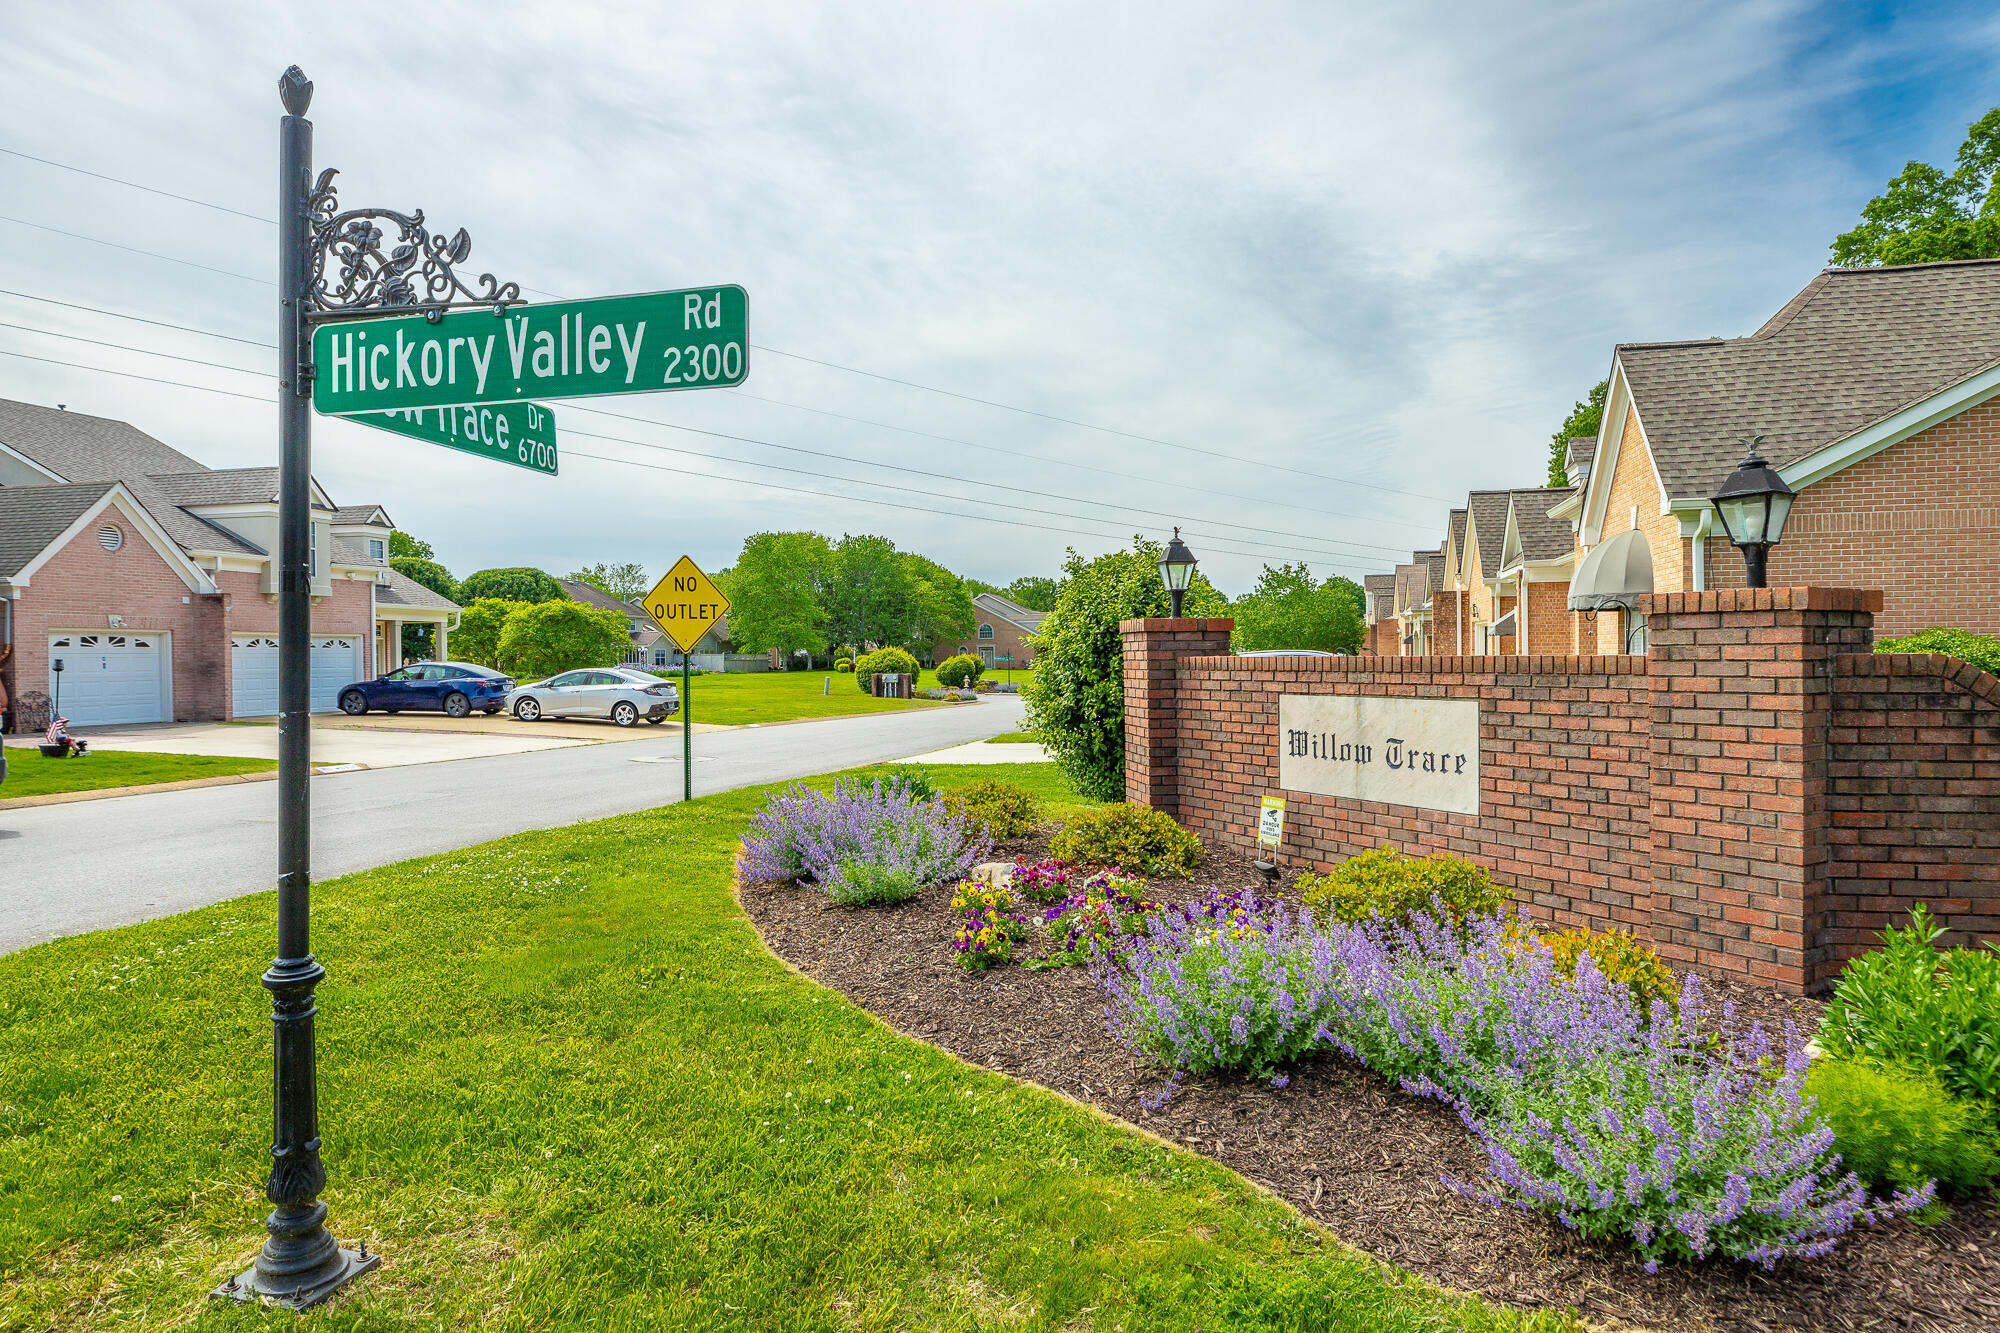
(659, 341)
(523, 434)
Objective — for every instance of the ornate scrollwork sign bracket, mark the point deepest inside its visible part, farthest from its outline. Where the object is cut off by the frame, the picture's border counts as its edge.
(354, 269)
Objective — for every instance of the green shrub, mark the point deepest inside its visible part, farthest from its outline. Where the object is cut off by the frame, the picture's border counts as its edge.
(961, 672)
(883, 660)
(1390, 887)
(1136, 838)
(1982, 650)
(872, 884)
(1006, 811)
(1620, 957)
(913, 781)
(1911, 1003)
(542, 638)
(1076, 696)
(1897, 1128)
(844, 664)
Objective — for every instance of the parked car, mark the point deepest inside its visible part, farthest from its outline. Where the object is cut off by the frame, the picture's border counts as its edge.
(454, 687)
(619, 693)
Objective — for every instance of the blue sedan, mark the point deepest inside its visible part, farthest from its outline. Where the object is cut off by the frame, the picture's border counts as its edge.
(454, 687)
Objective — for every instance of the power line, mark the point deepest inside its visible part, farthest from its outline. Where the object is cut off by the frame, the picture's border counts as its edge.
(119, 180)
(860, 421)
(134, 250)
(1320, 543)
(744, 481)
(121, 347)
(138, 319)
(775, 351)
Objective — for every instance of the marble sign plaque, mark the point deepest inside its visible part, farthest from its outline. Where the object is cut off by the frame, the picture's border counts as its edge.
(1421, 752)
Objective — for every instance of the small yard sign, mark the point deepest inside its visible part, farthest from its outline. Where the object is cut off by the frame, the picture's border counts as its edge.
(686, 604)
(1271, 822)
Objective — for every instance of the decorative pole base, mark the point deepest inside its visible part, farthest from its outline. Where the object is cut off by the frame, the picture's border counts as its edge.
(297, 1294)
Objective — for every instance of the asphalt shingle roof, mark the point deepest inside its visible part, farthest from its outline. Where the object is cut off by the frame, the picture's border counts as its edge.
(361, 514)
(1582, 449)
(994, 604)
(33, 516)
(236, 486)
(1489, 527)
(1434, 572)
(1542, 537)
(79, 447)
(592, 595)
(402, 590)
(1855, 346)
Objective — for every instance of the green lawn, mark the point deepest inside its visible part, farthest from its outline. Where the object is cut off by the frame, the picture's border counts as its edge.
(563, 1086)
(29, 774)
(1014, 738)
(780, 696)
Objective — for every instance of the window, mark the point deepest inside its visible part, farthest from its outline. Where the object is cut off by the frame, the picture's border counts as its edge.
(659, 657)
(985, 631)
(313, 550)
(377, 548)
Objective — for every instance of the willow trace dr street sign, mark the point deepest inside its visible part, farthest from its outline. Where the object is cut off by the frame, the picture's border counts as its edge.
(523, 434)
(696, 338)
(686, 604)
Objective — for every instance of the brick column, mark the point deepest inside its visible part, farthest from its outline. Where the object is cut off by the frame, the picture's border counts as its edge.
(1742, 686)
(1152, 739)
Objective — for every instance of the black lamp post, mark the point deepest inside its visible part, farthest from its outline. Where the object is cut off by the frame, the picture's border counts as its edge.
(1753, 505)
(1176, 571)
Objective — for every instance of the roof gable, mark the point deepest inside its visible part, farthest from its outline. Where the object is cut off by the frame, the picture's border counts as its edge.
(1855, 347)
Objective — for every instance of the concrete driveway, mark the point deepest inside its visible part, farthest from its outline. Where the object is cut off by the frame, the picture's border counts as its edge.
(372, 747)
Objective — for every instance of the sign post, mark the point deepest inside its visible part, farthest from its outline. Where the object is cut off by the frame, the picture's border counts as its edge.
(685, 603)
(1270, 833)
(375, 316)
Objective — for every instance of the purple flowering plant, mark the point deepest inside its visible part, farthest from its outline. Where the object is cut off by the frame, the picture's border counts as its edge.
(1101, 914)
(1042, 882)
(860, 843)
(1648, 1125)
(991, 924)
(1213, 991)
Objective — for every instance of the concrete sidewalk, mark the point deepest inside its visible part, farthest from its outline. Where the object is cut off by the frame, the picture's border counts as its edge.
(984, 752)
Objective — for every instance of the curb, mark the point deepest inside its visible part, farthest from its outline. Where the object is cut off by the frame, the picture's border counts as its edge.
(185, 784)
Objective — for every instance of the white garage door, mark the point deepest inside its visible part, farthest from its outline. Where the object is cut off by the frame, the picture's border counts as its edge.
(253, 667)
(108, 679)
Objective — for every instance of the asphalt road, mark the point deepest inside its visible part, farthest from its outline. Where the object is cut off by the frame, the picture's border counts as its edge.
(65, 869)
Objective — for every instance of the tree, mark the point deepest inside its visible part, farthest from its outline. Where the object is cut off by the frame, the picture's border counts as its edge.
(1076, 698)
(974, 587)
(429, 573)
(626, 582)
(868, 596)
(542, 638)
(1032, 591)
(939, 605)
(512, 585)
(775, 592)
(477, 638)
(1288, 610)
(1926, 214)
(1586, 418)
(402, 543)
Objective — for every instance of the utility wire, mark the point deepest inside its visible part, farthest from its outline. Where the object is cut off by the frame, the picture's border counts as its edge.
(1319, 544)
(775, 351)
(841, 416)
(134, 250)
(742, 481)
(119, 180)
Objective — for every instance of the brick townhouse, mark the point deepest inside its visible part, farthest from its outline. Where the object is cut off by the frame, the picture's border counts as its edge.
(1000, 628)
(1872, 390)
(152, 580)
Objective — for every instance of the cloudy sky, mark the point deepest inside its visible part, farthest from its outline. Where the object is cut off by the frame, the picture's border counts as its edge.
(1289, 276)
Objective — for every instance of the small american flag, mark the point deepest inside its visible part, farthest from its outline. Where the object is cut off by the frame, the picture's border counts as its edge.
(58, 731)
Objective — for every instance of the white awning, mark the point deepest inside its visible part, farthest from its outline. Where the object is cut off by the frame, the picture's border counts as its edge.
(1502, 628)
(1617, 572)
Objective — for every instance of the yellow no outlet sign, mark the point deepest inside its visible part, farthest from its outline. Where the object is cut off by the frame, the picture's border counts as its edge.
(686, 604)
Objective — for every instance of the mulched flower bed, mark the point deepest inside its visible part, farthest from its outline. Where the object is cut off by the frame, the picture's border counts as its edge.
(1356, 1154)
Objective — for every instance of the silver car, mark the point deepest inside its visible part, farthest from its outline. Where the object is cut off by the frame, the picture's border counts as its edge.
(618, 693)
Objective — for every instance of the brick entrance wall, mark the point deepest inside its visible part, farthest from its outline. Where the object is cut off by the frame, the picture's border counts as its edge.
(1757, 797)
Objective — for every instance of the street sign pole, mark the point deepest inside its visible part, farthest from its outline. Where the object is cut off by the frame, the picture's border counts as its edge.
(301, 1263)
(686, 604)
(687, 730)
